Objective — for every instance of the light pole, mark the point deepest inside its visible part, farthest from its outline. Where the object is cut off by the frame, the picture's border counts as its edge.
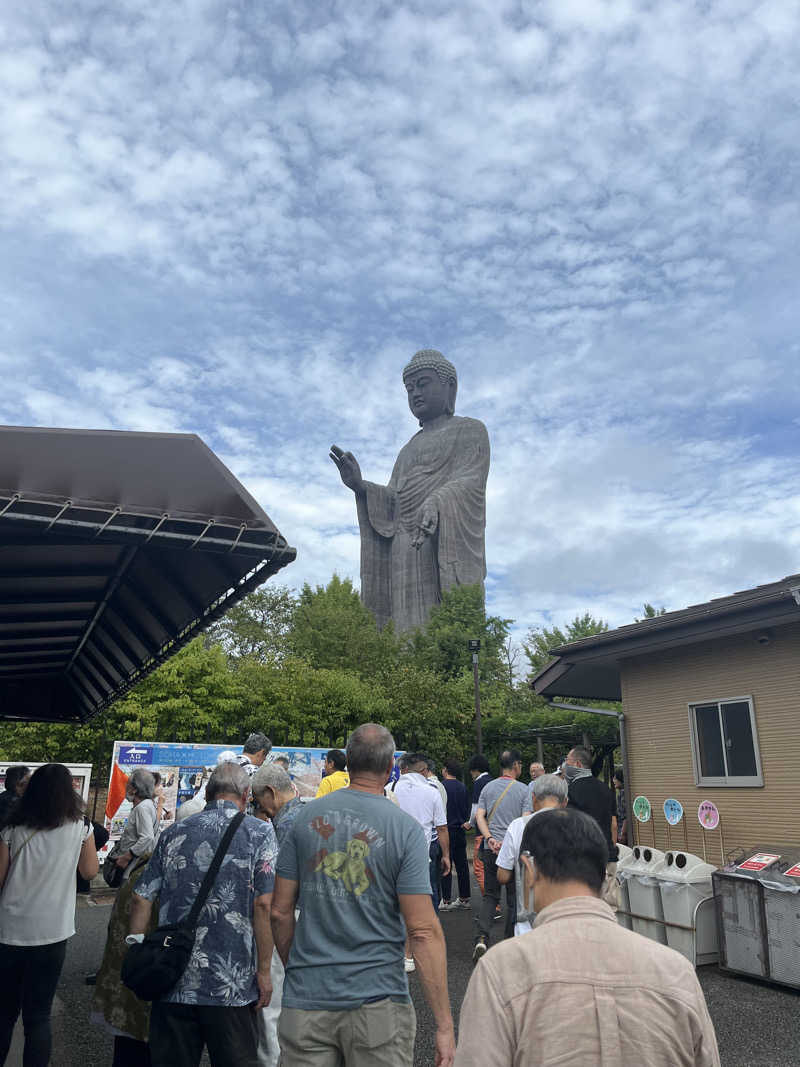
(475, 646)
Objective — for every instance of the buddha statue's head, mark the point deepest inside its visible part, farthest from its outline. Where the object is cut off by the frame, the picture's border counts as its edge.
(431, 383)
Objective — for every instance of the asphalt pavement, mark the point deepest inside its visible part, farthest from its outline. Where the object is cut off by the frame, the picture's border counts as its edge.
(756, 1023)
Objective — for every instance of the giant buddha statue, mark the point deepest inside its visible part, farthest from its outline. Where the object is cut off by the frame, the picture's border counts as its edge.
(423, 533)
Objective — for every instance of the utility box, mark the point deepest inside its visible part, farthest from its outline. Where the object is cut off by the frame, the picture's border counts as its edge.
(687, 900)
(645, 895)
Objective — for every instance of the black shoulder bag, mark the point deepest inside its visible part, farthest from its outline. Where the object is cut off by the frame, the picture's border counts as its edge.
(152, 968)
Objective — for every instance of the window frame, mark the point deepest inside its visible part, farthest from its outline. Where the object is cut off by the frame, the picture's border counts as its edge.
(726, 781)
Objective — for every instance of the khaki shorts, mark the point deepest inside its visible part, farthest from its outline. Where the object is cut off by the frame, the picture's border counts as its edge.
(374, 1035)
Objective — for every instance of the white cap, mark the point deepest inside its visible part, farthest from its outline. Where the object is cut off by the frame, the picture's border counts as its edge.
(228, 756)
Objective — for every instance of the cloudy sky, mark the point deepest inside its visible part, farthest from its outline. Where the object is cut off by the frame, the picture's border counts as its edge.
(242, 219)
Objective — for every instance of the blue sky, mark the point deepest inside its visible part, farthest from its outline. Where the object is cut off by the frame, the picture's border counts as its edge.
(242, 219)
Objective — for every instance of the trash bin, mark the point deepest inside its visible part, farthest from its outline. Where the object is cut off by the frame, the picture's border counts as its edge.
(687, 899)
(782, 912)
(740, 899)
(624, 862)
(645, 895)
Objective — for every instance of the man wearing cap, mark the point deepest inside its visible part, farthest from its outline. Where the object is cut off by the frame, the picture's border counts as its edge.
(423, 533)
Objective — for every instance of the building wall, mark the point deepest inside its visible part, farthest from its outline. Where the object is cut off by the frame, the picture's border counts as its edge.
(656, 690)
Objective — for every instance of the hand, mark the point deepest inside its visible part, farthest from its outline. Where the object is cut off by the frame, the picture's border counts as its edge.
(466, 826)
(445, 1046)
(264, 989)
(445, 866)
(428, 521)
(123, 860)
(349, 470)
(494, 845)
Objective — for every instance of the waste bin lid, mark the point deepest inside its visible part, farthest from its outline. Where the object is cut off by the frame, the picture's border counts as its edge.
(685, 867)
(644, 859)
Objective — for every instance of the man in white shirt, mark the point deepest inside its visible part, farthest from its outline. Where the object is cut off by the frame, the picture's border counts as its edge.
(549, 791)
(415, 796)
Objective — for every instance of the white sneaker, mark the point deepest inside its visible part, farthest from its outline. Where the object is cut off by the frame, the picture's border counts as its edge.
(409, 965)
(447, 905)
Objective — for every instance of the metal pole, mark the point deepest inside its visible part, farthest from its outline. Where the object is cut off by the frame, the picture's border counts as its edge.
(626, 770)
(478, 730)
(540, 749)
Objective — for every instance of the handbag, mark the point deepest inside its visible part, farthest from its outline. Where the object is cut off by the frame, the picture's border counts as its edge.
(153, 967)
(112, 874)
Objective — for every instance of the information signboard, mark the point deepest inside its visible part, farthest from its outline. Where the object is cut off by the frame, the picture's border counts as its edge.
(758, 862)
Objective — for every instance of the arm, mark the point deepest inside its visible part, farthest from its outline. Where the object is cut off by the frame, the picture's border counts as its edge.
(263, 935)
(483, 826)
(428, 948)
(485, 1023)
(88, 863)
(140, 914)
(614, 829)
(472, 814)
(284, 899)
(144, 822)
(444, 843)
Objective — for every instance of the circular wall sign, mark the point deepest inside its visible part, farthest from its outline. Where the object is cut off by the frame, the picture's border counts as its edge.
(708, 815)
(642, 809)
(673, 811)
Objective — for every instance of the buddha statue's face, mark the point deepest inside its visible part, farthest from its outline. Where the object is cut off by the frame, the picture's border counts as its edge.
(428, 395)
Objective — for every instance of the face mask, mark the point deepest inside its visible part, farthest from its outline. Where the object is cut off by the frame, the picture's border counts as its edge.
(571, 773)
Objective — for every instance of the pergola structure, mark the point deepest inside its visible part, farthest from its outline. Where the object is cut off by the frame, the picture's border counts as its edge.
(115, 550)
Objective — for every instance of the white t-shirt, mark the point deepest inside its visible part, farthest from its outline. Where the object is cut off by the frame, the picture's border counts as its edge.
(509, 850)
(37, 905)
(417, 797)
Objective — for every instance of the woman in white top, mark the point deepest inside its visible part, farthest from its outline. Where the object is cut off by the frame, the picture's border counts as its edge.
(46, 839)
(141, 827)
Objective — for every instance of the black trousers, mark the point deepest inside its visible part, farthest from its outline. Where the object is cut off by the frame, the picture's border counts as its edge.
(178, 1033)
(491, 898)
(458, 859)
(29, 975)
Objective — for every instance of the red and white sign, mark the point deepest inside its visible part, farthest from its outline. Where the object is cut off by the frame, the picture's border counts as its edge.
(758, 862)
(793, 872)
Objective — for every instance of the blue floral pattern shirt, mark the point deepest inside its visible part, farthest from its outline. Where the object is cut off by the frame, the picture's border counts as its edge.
(222, 968)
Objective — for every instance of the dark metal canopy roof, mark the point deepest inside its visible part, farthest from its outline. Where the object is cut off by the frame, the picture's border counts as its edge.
(590, 667)
(115, 550)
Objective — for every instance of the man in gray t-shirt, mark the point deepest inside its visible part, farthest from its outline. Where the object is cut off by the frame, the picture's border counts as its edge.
(357, 867)
(501, 801)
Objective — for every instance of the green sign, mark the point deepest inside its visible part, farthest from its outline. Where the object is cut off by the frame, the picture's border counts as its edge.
(642, 809)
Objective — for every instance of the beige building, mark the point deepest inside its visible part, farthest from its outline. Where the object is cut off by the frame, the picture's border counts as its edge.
(710, 697)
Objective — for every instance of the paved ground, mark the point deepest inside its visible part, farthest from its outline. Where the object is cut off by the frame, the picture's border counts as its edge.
(756, 1023)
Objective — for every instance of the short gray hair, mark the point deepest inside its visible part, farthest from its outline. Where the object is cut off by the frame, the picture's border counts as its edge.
(271, 776)
(143, 783)
(583, 755)
(370, 749)
(550, 785)
(229, 779)
(257, 742)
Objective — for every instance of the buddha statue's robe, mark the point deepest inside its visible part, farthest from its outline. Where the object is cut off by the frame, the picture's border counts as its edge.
(447, 468)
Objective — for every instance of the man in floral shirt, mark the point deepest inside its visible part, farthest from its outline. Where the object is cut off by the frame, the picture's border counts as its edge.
(228, 973)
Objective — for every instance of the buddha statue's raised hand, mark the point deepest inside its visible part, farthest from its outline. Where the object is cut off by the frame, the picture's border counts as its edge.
(349, 470)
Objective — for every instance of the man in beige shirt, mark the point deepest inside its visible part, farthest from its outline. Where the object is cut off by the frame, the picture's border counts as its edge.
(579, 989)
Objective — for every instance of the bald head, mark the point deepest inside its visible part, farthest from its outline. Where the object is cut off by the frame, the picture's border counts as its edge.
(370, 750)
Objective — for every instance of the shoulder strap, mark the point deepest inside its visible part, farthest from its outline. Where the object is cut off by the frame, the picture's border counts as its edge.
(213, 870)
(494, 806)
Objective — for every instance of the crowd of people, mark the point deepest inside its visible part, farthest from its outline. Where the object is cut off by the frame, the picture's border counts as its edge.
(319, 910)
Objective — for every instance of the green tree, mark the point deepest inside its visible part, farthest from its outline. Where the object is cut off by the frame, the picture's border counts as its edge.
(258, 626)
(649, 612)
(332, 629)
(461, 616)
(540, 640)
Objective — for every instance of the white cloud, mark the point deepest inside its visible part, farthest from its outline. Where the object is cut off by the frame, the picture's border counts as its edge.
(242, 221)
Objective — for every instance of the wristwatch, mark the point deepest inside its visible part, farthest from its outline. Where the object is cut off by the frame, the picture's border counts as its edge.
(134, 939)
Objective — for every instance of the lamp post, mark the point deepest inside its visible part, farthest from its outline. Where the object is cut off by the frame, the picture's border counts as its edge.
(475, 646)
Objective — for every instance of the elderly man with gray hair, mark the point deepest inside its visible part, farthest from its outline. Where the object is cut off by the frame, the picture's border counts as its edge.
(275, 799)
(228, 974)
(547, 791)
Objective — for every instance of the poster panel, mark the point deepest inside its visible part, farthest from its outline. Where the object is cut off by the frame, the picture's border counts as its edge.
(81, 774)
